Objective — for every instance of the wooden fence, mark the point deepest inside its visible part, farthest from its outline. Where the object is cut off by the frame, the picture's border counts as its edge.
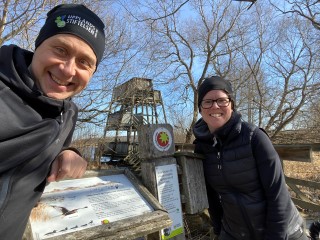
(301, 153)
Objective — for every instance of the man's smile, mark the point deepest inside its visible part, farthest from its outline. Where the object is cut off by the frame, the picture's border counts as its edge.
(58, 81)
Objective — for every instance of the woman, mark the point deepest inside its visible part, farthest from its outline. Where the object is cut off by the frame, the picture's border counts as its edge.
(247, 194)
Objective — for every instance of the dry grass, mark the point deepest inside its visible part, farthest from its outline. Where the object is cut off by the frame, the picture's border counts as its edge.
(304, 170)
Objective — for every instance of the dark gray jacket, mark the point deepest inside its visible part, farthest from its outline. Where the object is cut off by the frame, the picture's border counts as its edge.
(33, 131)
(246, 186)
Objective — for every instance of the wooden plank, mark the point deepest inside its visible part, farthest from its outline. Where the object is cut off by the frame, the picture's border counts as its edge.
(184, 147)
(189, 154)
(303, 202)
(305, 183)
(192, 182)
(306, 205)
(300, 194)
(129, 228)
(301, 153)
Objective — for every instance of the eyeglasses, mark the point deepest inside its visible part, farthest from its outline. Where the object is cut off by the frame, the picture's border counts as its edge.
(221, 102)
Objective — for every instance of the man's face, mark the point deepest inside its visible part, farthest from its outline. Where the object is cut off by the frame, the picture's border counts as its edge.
(216, 116)
(62, 66)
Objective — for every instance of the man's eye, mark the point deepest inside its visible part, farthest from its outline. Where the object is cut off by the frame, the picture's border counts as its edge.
(84, 62)
(207, 102)
(60, 51)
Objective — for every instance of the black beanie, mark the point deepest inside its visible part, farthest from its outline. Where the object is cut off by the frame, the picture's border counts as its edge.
(214, 83)
(78, 20)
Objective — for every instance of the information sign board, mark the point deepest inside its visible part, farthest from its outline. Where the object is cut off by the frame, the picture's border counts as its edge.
(76, 205)
(169, 197)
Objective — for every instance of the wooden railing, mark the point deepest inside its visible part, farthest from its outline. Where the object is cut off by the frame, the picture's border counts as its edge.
(301, 153)
(302, 200)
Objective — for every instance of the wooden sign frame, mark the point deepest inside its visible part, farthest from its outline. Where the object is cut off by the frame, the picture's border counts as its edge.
(129, 228)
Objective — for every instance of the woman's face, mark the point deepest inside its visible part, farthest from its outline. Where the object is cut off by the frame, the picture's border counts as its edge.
(216, 116)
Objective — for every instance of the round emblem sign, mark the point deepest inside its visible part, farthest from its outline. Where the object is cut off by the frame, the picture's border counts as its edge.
(162, 139)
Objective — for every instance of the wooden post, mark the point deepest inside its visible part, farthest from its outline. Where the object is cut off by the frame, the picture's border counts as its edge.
(192, 182)
(156, 150)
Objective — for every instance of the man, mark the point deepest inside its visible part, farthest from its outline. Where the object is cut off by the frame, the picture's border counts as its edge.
(37, 114)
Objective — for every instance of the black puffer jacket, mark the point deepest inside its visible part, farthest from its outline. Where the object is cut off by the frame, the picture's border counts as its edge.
(246, 187)
(33, 131)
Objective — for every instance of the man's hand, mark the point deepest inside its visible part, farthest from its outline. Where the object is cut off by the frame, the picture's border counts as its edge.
(67, 164)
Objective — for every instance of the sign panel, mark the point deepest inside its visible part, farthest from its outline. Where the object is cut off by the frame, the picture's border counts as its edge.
(169, 197)
(73, 205)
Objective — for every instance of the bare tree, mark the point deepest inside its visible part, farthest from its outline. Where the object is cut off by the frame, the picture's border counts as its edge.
(308, 9)
(247, 65)
(274, 70)
(18, 16)
(185, 44)
(294, 63)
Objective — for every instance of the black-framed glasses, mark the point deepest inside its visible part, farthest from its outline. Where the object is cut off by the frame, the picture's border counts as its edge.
(221, 102)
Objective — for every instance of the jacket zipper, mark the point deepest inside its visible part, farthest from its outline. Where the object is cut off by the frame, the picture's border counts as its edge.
(219, 160)
(61, 117)
(239, 200)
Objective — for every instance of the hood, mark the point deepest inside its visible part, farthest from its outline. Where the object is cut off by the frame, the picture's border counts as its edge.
(14, 63)
(201, 130)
